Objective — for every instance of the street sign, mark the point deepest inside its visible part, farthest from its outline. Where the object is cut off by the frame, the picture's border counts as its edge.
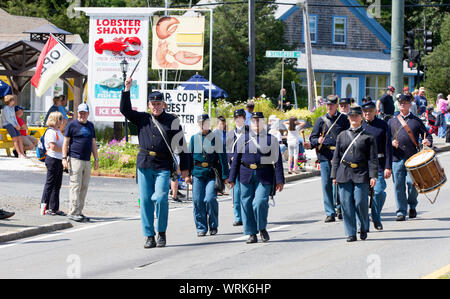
(282, 54)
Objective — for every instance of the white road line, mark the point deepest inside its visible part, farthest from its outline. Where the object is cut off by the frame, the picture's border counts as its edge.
(64, 232)
(269, 230)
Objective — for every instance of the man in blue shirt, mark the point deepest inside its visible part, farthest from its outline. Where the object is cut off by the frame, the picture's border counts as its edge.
(403, 148)
(248, 112)
(421, 102)
(79, 144)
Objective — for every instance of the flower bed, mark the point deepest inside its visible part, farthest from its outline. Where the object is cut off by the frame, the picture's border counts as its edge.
(117, 158)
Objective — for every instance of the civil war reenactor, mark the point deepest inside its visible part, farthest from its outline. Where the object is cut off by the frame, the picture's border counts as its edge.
(323, 138)
(385, 105)
(208, 159)
(259, 165)
(344, 105)
(406, 130)
(234, 138)
(157, 133)
(354, 170)
(380, 130)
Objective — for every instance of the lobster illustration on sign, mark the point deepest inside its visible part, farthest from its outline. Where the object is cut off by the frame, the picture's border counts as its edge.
(165, 27)
(126, 45)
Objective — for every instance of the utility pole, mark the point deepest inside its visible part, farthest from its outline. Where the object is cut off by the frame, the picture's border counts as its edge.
(397, 30)
(251, 49)
(309, 71)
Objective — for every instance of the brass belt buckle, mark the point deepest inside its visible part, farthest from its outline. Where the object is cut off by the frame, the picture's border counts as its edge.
(253, 166)
(204, 164)
(332, 148)
(153, 154)
(353, 165)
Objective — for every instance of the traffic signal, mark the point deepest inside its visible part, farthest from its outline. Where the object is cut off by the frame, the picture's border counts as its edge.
(427, 42)
(413, 54)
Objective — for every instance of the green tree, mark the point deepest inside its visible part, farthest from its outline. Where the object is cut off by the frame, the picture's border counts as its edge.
(438, 63)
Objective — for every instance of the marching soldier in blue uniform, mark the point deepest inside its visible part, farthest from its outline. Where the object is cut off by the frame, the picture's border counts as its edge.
(207, 155)
(406, 129)
(380, 130)
(259, 166)
(234, 138)
(155, 161)
(354, 169)
(323, 138)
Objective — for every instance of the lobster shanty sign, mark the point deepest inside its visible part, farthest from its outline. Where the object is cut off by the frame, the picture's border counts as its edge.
(111, 40)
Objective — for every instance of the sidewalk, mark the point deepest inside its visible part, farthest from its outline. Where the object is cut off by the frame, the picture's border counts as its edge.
(27, 222)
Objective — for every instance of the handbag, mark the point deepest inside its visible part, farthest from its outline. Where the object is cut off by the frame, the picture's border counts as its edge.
(219, 184)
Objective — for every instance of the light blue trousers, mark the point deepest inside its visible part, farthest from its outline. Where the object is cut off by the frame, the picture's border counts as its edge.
(405, 192)
(355, 203)
(153, 190)
(206, 207)
(255, 205)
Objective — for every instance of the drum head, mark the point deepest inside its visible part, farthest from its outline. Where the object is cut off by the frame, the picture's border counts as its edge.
(420, 158)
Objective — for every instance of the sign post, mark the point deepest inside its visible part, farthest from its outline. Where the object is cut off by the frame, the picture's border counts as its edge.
(282, 54)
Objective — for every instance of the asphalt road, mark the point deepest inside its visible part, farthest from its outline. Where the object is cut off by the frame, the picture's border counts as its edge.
(301, 245)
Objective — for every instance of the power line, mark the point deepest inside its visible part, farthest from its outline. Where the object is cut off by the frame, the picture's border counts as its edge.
(320, 5)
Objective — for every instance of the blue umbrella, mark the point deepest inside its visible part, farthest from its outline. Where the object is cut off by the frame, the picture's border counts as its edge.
(5, 89)
(203, 84)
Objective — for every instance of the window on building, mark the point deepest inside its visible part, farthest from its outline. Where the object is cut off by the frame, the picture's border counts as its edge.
(324, 83)
(312, 29)
(376, 86)
(339, 30)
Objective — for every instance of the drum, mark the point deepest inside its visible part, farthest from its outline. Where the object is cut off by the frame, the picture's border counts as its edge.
(425, 171)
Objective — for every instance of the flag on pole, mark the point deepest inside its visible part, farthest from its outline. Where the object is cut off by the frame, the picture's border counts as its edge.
(54, 60)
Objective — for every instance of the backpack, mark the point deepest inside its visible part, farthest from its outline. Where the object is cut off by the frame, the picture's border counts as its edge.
(41, 151)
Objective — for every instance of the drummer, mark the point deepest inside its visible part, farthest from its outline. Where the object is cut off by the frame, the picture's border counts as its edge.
(404, 146)
(379, 129)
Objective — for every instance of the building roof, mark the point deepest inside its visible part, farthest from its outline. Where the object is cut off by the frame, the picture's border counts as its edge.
(345, 61)
(13, 28)
(48, 28)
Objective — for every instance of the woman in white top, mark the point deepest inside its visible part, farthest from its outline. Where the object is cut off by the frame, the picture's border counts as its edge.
(293, 142)
(53, 143)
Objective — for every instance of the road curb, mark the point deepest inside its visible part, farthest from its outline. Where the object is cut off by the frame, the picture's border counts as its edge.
(302, 175)
(33, 231)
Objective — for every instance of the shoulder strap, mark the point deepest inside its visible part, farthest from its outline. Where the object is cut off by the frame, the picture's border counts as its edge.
(353, 141)
(407, 129)
(327, 121)
(164, 136)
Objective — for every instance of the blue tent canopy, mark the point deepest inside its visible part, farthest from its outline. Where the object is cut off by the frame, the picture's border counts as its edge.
(203, 84)
(5, 89)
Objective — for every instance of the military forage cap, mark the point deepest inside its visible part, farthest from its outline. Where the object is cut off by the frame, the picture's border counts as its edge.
(345, 100)
(368, 105)
(355, 110)
(257, 115)
(202, 117)
(156, 96)
(404, 97)
(332, 99)
(239, 112)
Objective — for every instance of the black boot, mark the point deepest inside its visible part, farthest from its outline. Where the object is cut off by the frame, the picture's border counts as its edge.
(252, 239)
(161, 242)
(330, 219)
(264, 235)
(351, 239)
(150, 242)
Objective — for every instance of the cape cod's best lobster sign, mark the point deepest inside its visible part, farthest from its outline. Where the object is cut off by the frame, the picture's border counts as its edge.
(112, 39)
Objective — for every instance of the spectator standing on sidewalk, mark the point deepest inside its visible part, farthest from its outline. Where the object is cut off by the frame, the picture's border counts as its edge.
(79, 144)
(53, 143)
(9, 122)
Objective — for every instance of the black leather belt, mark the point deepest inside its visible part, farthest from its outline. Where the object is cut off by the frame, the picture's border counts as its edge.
(257, 166)
(354, 165)
(155, 154)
